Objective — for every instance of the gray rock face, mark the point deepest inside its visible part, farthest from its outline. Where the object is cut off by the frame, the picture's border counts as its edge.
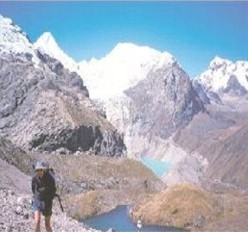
(47, 108)
(164, 101)
(201, 92)
(83, 138)
(234, 87)
(206, 96)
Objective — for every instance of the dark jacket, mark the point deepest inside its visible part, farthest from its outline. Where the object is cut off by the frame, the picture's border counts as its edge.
(43, 189)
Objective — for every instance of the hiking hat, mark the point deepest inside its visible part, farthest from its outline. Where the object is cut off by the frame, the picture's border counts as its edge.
(40, 165)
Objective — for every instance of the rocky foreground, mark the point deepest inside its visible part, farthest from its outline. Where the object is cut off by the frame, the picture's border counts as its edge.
(15, 205)
(16, 215)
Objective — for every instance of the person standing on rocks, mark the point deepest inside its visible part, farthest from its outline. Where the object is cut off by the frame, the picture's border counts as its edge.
(43, 188)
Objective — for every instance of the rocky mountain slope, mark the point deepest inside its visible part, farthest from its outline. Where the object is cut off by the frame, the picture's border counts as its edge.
(45, 107)
(222, 141)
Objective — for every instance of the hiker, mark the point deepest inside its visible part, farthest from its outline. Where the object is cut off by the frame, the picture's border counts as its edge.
(43, 188)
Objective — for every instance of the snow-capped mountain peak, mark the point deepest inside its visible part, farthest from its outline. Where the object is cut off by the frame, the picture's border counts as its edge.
(48, 45)
(14, 41)
(122, 68)
(218, 77)
(48, 39)
(218, 62)
(135, 52)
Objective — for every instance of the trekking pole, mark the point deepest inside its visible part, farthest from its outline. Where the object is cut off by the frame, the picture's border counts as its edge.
(60, 204)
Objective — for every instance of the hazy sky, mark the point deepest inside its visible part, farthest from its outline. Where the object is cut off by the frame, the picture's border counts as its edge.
(193, 32)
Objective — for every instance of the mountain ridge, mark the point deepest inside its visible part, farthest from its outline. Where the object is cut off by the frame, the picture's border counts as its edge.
(126, 60)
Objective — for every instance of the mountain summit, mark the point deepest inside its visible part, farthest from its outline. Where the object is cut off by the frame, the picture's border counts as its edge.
(46, 44)
(122, 68)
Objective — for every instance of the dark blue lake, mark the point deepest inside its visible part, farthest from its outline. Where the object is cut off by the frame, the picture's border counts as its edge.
(119, 220)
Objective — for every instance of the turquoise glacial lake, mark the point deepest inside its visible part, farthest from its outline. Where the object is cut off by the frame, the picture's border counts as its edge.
(157, 166)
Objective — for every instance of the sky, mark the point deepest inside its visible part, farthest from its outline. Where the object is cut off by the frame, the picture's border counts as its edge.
(193, 32)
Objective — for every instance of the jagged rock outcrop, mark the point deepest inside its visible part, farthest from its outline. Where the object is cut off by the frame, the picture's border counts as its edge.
(164, 101)
(45, 107)
(234, 87)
